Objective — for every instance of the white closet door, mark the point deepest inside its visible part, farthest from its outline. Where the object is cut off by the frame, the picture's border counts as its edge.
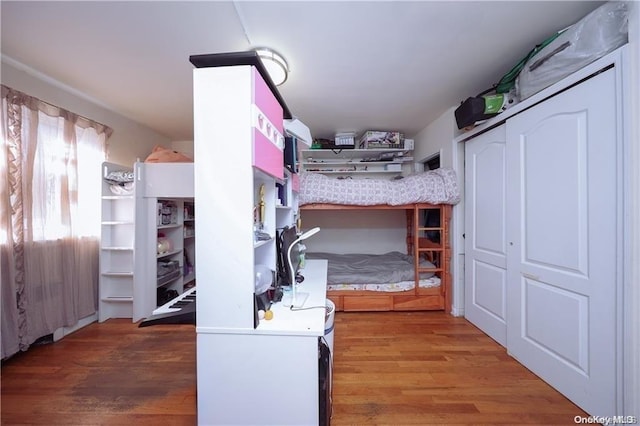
(485, 233)
(562, 225)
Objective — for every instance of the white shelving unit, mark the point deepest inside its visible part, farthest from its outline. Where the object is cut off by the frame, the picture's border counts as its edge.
(233, 349)
(189, 237)
(117, 250)
(160, 184)
(264, 250)
(355, 161)
(171, 253)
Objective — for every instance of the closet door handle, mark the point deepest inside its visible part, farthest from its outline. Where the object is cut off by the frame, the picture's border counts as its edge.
(531, 276)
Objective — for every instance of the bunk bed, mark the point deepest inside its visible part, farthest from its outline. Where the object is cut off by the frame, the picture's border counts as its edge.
(428, 254)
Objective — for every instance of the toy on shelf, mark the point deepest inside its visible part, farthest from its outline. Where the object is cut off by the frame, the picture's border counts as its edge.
(160, 154)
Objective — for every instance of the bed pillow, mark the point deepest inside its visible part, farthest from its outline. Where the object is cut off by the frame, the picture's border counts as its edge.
(438, 186)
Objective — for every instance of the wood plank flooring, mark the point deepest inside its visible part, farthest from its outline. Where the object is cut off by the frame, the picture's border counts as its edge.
(392, 368)
(428, 368)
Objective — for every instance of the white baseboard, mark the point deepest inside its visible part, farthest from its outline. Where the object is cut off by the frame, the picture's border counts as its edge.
(457, 312)
(83, 322)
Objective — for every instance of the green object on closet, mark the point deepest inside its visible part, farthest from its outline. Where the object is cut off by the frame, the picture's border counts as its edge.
(508, 81)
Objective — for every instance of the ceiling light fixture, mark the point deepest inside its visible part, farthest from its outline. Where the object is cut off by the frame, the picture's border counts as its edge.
(275, 64)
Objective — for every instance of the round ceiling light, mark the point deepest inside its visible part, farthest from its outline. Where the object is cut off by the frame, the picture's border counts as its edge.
(275, 64)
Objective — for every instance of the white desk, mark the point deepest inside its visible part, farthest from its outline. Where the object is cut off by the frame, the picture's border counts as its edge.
(305, 321)
(268, 375)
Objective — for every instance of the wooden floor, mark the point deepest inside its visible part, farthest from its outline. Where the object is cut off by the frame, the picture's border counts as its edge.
(394, 368)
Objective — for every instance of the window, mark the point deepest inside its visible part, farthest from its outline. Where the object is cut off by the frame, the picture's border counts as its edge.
(50, 165)
(67, 179)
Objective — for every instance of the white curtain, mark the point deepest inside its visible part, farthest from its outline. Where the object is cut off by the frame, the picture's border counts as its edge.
(49, 216)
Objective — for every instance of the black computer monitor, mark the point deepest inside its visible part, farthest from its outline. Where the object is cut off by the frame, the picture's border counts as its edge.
(291, 154)
(286, 238)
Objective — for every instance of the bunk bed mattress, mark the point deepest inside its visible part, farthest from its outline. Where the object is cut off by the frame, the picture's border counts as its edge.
(390, 272)
(390, 287)
(434, 187)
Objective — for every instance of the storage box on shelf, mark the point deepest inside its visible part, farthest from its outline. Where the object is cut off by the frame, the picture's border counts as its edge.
(345, 139)
(381, 140)
(167, 213)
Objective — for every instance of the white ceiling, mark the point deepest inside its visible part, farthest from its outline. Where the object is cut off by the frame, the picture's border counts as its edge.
(355, 66)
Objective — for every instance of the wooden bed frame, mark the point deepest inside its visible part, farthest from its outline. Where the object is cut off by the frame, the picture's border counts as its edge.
(439, 253)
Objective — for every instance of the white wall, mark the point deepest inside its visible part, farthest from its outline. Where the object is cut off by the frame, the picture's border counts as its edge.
(129, 141)
(185, 147)
(436, 138)
(356, 231)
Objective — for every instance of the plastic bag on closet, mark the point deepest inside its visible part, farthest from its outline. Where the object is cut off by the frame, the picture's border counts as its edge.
(600, 32)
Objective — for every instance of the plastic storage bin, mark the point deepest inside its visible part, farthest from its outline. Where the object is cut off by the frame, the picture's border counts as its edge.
(328, 325)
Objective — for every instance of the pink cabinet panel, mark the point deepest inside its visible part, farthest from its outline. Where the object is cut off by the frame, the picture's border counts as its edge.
(265, 101)
(267, 123)
(267, 156)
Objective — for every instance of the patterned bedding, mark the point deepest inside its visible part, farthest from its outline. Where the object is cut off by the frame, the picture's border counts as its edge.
(391, 287)
(391, 271)
(438, 186)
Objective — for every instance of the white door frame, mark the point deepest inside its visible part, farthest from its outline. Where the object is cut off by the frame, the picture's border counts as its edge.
(631, 286)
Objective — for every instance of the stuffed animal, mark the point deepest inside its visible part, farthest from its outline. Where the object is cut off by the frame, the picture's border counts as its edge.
(161, 154)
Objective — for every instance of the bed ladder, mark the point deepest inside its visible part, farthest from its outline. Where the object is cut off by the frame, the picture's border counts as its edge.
(434, 247)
